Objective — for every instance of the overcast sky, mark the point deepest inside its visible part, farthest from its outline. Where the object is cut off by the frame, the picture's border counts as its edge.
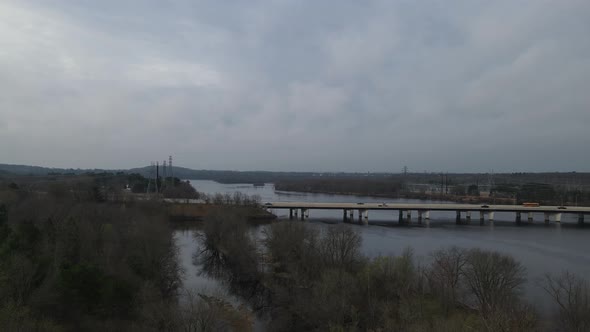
(297, 85)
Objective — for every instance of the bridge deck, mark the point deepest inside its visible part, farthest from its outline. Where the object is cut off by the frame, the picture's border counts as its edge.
(425, 207)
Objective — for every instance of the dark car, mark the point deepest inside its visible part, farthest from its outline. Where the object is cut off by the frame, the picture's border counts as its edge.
(485, 206)
(561, 207)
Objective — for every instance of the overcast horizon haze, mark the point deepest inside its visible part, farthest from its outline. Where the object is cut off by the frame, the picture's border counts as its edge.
(290, 85)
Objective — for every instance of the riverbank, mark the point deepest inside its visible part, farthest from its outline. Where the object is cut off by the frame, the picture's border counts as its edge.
(420, 196)
(187, 212)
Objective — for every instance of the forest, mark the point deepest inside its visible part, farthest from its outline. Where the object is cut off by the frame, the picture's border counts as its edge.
(302, 278)
(83, 254)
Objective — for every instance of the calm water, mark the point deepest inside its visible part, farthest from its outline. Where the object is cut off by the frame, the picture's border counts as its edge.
(541, 249)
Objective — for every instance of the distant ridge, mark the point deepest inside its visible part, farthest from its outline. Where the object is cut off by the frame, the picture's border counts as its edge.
(570, 179)
(225, 176)
(147, 171)
(39, 170)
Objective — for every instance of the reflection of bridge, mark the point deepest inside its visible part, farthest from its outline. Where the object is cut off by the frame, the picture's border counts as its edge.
(423, 210)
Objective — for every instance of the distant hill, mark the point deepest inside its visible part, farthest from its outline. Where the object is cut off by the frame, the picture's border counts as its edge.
(580, 180)
(225, 176)
(38, 170)
(29, 170)
(148, 171)
(5, 173)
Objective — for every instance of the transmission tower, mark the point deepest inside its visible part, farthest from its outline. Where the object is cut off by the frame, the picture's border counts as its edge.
(171, 171)
(164, 174)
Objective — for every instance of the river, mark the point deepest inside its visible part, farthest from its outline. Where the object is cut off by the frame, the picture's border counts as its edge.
(541, 249)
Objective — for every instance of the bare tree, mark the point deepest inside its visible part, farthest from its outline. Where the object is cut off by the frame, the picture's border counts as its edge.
(341, 247)
(494, 279)
(445, 274)
(218, 199)
(572, 295)
(238, 198)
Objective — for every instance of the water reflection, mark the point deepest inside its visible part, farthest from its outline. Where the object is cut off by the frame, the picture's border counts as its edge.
(243, 285)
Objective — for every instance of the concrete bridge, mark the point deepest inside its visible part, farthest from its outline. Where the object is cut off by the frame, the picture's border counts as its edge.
(404, 211)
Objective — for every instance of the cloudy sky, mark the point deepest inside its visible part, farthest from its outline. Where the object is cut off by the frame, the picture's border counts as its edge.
(297, 85)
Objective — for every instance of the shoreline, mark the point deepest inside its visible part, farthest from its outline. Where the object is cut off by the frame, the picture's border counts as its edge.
(426, 197)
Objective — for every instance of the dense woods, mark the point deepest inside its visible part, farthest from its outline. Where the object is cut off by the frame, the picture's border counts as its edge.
(83, 264)
(301, 277)
(83, 254)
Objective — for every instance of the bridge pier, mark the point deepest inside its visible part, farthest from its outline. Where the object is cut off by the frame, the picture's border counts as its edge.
(547, 218)
(481, 218)
(420, 215)
(400, 218)
(409, 217)
(363, 217)
(351, 213)
(518, 218)
(581, 219)
(558, 217)
(296, 214)
(491, 216)
(290, 214)
(530, 217)
(468, 217)
(302, 214)
(458, 218)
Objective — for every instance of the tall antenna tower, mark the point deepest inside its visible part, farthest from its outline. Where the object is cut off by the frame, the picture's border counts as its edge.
(171, 171)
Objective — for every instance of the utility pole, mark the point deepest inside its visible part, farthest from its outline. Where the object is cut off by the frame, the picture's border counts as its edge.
(150, 175)
(164, 174)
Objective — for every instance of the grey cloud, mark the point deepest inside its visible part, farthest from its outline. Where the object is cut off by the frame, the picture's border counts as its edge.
(293, 85)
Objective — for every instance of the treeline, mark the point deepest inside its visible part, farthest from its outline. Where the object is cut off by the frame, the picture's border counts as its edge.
(358, 186)
(396, 187)
(543, 193)
(227, 176)
(71, 260)
(237, 199)
(104, 186)
(83, 265)
(302, 278)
